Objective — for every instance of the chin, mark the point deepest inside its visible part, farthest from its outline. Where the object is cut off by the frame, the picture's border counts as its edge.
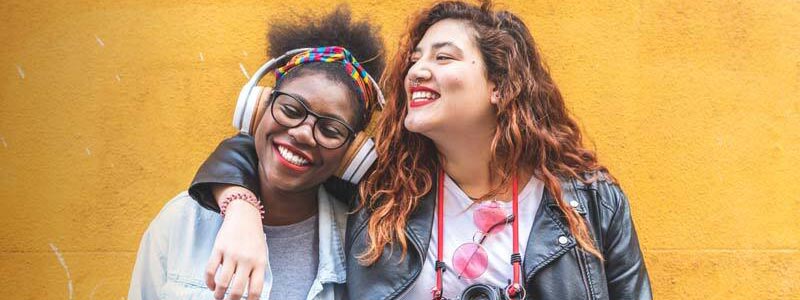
(277, 179)
(418, 124)
(285, 184)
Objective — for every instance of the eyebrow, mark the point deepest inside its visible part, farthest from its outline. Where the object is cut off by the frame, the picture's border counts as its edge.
(308, 106)
(439, 45)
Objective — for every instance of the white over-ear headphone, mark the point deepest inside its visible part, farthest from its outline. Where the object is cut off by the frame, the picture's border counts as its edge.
(359, 156)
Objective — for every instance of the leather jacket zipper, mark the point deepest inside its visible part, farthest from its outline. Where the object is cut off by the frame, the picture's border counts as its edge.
(584, 273)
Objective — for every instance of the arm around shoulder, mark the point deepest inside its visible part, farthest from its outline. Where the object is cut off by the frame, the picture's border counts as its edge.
(234, 162)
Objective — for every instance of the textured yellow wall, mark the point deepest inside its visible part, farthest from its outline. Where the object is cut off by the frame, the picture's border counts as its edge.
(108, 108)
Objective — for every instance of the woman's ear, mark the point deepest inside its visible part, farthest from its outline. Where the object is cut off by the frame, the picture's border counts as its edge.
(495, 97)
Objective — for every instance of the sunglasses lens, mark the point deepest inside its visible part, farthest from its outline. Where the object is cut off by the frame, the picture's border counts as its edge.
(470, 260)
(489, 216)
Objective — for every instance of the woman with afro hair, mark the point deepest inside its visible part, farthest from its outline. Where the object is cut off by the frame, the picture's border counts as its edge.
(320, 101)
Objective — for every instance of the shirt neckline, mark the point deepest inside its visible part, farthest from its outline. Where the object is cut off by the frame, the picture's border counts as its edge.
(451, 186)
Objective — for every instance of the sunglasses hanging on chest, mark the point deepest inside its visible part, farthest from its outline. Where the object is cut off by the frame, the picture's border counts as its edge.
(470, 260)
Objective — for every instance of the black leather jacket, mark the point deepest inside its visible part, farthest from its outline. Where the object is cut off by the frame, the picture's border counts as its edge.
(554, 267)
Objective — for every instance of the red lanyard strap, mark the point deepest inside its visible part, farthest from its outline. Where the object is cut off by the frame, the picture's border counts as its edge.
(437, 292)
(513, 290)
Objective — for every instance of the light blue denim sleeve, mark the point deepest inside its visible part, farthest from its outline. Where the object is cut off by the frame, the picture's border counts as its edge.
(150, 271)
(176, 246)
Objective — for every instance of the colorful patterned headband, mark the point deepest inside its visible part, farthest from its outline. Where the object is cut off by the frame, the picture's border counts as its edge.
(333, 54)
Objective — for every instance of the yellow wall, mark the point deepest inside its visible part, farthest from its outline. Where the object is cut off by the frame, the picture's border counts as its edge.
(693, 105)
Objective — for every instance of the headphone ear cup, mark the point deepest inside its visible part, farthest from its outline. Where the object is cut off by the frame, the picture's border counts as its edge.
(360, 154)
(245, 113)
(260, 108)
(359, 158)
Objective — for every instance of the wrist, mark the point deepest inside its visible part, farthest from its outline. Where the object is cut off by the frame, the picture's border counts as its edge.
(241, 202)
(239, 209)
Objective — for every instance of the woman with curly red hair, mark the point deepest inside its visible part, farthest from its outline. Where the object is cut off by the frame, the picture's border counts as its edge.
(482, 187)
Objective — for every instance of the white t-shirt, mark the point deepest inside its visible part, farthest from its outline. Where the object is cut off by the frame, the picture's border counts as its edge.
(460, 228)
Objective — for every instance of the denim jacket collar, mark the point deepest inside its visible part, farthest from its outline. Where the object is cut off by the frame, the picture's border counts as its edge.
(332, 220)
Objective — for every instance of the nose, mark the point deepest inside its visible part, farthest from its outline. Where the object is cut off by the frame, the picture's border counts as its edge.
(419, 72)
(304, 133)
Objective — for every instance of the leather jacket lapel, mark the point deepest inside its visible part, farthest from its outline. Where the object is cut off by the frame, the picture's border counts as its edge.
(420, 223)
(418, 229)
(549, 239)
(389, 277)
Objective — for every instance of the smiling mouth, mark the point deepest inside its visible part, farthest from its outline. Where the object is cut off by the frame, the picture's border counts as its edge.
(423, 97)
(291, 159)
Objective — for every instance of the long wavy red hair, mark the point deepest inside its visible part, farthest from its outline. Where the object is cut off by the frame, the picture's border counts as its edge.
(535, 133)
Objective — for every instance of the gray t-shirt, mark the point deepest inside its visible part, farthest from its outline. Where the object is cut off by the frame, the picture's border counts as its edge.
(293, 258)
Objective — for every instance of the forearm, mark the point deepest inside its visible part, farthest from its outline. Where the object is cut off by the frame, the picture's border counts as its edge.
(222, 192)
(233, 163)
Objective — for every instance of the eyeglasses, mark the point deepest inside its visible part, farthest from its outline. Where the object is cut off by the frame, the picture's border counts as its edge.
(470, 260)
(288, 111)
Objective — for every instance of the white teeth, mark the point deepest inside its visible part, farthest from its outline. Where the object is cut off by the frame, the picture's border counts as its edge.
(291, 157)
(424, 95)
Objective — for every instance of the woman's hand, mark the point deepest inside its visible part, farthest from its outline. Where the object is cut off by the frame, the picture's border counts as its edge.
(240, 249)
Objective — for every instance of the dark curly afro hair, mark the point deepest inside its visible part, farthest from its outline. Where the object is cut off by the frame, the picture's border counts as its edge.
(334, 29)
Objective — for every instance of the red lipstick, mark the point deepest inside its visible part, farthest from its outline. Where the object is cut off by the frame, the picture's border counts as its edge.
(418, 103)
(295, 151)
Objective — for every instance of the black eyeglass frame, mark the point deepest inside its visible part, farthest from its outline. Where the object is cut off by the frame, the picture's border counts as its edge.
(274, 95)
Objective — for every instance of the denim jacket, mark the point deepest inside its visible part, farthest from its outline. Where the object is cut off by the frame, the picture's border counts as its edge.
(175, 249)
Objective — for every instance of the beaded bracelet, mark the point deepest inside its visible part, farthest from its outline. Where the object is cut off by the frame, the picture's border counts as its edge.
(223, 207)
